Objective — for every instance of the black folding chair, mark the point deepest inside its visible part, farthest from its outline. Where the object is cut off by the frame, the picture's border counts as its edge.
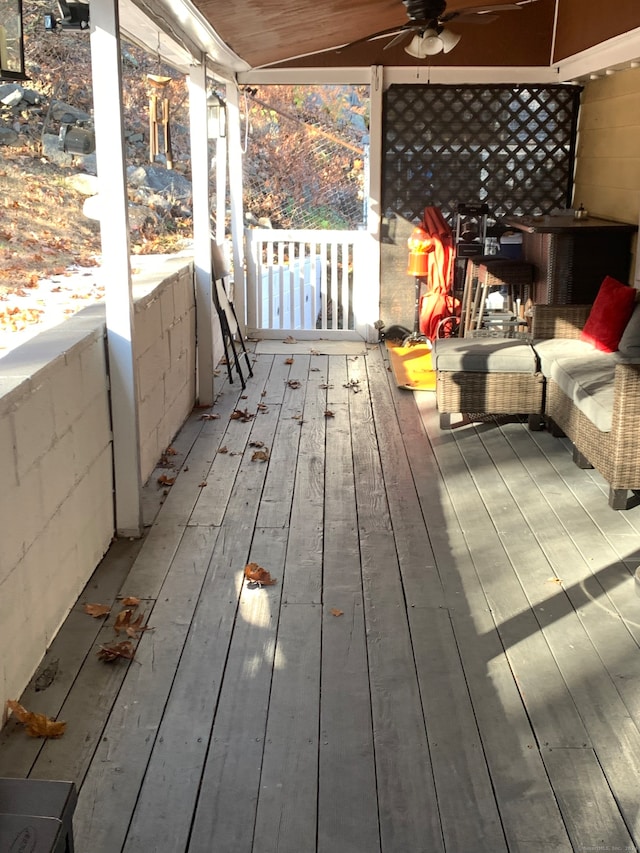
(229, 325)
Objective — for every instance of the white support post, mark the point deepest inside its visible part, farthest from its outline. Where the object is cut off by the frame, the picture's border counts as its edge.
(221, 188)
(374, 209)
(116, 267)
(201, 230)
(235, 192)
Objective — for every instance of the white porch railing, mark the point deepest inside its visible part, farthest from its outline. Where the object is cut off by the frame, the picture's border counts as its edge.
(310, 284)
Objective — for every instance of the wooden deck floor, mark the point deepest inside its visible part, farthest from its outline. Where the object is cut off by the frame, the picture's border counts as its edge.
(449, 660)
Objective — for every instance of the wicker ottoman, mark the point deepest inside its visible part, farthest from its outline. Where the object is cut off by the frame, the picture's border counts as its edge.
(487, 375)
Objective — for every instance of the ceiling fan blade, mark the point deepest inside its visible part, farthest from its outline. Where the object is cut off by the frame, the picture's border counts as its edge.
(400, 37)
(471, 11)
(372, 36)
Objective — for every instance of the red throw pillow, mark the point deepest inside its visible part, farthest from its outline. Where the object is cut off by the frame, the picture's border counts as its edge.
(609, 315)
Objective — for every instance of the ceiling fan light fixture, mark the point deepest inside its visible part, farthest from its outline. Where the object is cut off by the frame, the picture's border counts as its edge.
(449, 39)
(432, 43)
(415, 47)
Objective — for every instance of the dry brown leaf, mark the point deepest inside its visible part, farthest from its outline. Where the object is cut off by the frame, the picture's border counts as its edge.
(202, 485)
(260, 456)
(135, 628)
(256, 574)
(256, 444)
(289, 340)
(171, 451)
(36, 725)
(241, 415)
(288, 360)
(223, 449)
(328, 413)
(97, 610)
(336, 612)
(123, 619)
(130, 601)
(163, 480)
(115, 651)
(209, 417)
(294, 383)
(262, 407)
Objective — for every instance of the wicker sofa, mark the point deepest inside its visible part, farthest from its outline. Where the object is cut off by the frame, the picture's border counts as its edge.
(592, 397)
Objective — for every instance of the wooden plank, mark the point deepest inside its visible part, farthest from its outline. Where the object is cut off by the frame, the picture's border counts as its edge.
(221, 479)
(230, 781)
(303, 575)
(179, 753)
(347, 800)
(287, 803)
(54, 678)
(422, 584)
(110, 789)
(468, 810)
(589, 809)
(593, 690)
(275, 505)
(407, 799)
(548, 701)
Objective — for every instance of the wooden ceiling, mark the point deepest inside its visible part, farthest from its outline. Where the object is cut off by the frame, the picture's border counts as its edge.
(306, 33)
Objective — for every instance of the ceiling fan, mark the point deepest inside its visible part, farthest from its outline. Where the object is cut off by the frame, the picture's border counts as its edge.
(426, 25)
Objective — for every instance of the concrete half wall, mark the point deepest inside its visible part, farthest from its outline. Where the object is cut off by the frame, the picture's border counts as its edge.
(56, 506)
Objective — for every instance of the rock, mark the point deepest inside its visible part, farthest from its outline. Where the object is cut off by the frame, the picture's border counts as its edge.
(8, 136)
(52, 151)
(66, 114)
(137, 176)
(11, 94)
(31, 97)
(83, 183)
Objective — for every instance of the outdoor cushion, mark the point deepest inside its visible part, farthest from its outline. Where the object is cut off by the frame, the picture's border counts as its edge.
(629, 344)
(484, 355)
(609, 315)
(550, 349)
(588, 382)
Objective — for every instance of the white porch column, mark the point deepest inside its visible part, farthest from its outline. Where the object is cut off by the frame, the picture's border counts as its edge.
(236, 143)
(201, 229)
(374, 208)
(116, 268)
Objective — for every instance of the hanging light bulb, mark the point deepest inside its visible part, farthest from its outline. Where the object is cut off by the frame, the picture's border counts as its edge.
(449, 39)
(415, 47)
(431, 42)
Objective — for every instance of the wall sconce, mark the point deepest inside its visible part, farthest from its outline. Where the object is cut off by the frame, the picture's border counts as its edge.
(216, 117)
(11, 43)
(77, 140)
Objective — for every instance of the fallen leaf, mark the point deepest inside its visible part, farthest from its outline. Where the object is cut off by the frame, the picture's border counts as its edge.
(256, 574)
(123, 650)
(241, 415)
(329, 414)
(163, 480)
(123, 619)
(260, 456)
(223, 449)
(555, 580)
(289, 340)
(135, 628)
(336, 612)
(288, 361)
(256, 444)
(97, 610)
(209, 417)
(36, 725)
(324, 386)
(202, 485)
(130, 601)
(171, 451)
(294, 383)
(262, 407)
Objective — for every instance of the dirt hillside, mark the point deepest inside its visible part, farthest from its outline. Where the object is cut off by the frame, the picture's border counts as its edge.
(44, 233)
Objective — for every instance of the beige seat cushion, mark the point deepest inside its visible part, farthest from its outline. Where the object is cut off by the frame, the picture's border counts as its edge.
(484, 355)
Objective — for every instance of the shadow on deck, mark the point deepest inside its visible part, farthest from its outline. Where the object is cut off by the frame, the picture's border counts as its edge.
(447, 662)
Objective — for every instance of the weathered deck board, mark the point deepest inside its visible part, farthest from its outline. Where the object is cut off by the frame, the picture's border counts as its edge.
(447, 662)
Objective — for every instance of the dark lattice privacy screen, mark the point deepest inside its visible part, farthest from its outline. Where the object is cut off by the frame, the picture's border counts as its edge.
(510, 146)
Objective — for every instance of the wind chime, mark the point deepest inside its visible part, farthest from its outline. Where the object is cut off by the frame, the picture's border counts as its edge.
(159, 129)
